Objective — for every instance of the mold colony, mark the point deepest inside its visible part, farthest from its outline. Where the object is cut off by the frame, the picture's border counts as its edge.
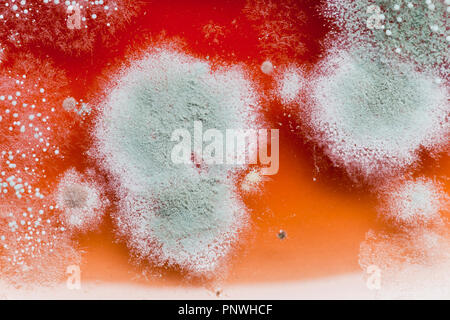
(172, 214)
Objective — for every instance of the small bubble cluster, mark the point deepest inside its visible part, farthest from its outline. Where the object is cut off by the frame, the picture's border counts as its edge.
(34, 247)
(27, 118)
(34, 244)
(81, 108)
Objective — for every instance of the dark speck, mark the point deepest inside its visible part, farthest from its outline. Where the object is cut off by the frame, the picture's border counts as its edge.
(282, 234)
